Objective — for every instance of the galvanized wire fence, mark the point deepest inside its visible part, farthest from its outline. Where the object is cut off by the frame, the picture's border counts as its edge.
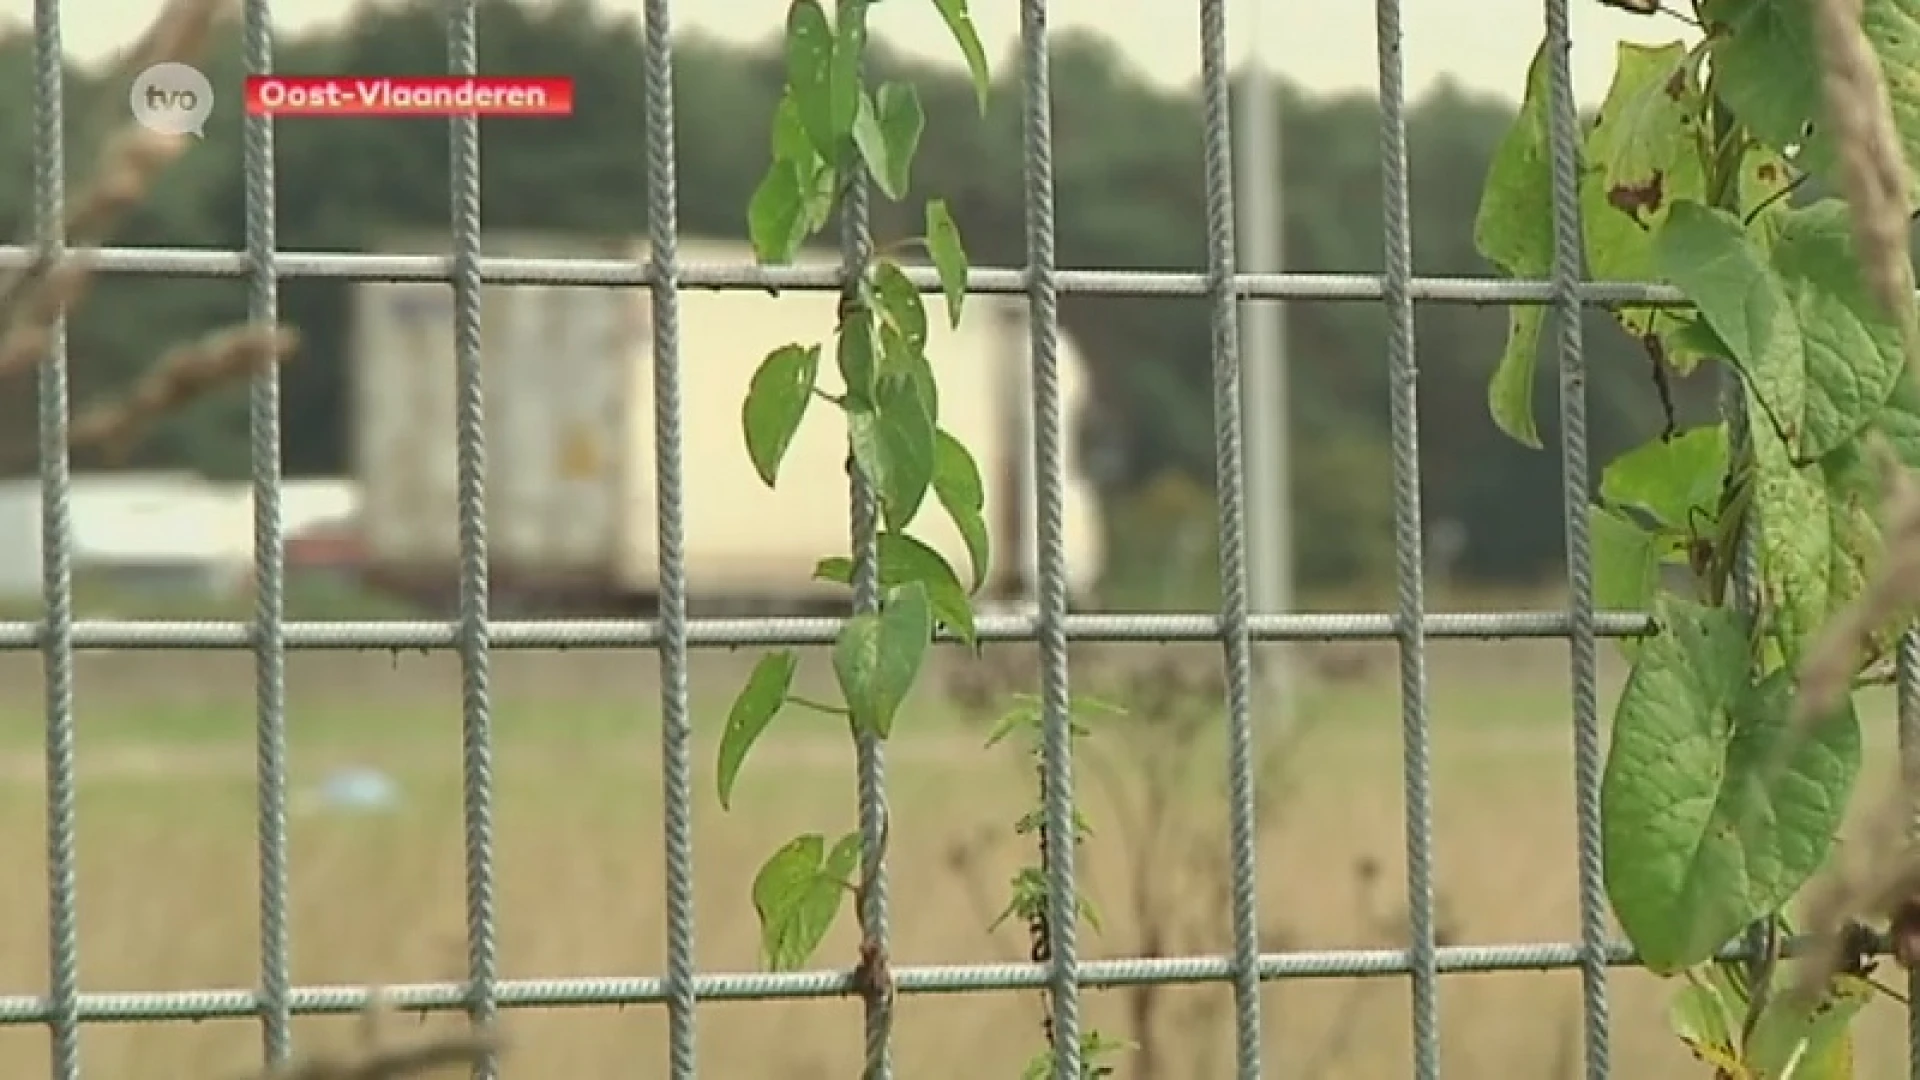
(65, 1008)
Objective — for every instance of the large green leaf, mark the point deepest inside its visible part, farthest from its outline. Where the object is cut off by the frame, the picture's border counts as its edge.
(1676, 481)
(1710, 819)
(1899, 421)
(1767, 67)
(1514, 230)
(1817, 352)
(1644, 143)
(1853, 351)
(1821, 363)
(1641, 156)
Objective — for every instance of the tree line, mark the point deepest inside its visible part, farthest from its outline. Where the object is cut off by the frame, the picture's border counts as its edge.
(1130, 194)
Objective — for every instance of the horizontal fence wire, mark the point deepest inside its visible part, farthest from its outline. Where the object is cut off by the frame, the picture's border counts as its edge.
(607, 272)
(547, 634)
(475, 635)
(136, 1007)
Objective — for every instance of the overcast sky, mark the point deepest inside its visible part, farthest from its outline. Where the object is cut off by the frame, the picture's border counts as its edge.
(1318, 44)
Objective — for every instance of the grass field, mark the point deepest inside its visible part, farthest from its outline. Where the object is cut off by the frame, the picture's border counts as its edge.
(167, 866)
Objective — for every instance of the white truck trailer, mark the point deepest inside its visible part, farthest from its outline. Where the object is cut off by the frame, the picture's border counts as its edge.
(571, 497)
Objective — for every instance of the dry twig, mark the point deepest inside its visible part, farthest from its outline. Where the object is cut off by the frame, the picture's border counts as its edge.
(33, 299)
(133, 157)
(376, 1059)
(1877, 875)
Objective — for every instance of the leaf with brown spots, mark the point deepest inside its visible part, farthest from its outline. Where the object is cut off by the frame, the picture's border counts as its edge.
(1644, 142)
(1639, 158)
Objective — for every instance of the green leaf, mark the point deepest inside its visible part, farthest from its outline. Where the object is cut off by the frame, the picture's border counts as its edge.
(1706, 826)
(949, 257)
(776, 403)
(893, 442)
(1027, 714)
(1816, 535)
(1514, 230)
(855, 355)
(878, 656)
(898, 356)
(790, 139)
(756, 706)
(1899, 421)
(960, 24)
(1626, 564)
(1767, 69)
(956, 483)
(844, 92)
(1675, 481)
(1819, 540)
(902, 559)
(1647, 129)
(1816, 351)
(1853, 348)
(797, 895)
(1809, 1040)
(1707, 1014)
(1820, 364)
(887, 130)
(1640, 157)
(817, 196)
(899, 302)
(810, 49)
(778, 215)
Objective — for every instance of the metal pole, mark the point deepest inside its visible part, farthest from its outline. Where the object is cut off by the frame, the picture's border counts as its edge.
(1263, 342)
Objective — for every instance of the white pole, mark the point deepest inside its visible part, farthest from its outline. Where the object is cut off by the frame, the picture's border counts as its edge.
(1263, 341)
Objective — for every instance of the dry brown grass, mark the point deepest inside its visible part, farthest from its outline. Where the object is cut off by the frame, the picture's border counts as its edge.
(168, 901)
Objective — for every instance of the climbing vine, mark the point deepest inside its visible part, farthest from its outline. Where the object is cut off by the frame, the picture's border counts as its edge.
(1704, 169)
(1028, 889)
(831, 130)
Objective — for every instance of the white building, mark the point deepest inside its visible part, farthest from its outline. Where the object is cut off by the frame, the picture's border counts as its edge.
(155, 531)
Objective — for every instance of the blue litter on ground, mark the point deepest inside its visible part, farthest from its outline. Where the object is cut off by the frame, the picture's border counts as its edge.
(359, 788)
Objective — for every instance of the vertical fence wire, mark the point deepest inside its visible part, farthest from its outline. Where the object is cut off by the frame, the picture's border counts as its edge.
(1230, 484)
(475, 647)
(676, 722)
(56, 541)
(1563, 126)
(1404, 371)
(1056, 738)
(269, 556)
(870, 761)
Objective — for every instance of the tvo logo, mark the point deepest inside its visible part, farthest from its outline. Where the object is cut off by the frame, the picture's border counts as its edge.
(172, 99)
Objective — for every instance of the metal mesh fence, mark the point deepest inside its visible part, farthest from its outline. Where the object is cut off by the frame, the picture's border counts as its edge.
(475, 635)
